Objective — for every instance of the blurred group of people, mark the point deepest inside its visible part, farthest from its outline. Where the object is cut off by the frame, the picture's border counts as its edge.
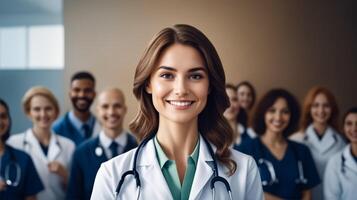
(300, 156)
(59, 159)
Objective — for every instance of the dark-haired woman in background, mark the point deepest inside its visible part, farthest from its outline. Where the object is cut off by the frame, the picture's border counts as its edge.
(18, 176)
(340, 178)
(319, 130)
(237, 117)
(286, 168)
(246, 95)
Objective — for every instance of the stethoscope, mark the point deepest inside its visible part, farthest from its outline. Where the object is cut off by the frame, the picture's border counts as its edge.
(273, 178)
(26, 143)
(133, 172)
(13, 164)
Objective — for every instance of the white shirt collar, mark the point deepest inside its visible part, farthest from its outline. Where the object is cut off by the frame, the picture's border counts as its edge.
(105, 141)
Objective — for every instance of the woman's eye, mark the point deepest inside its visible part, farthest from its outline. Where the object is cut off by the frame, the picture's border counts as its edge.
(271, 110)
(166, 76)
(196, 76)
(286, 111)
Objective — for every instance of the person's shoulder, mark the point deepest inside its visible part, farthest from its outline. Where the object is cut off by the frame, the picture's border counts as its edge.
(298, 146)
(239, 156)
(298, 136)
(14, 139)
(60, 122)
(19, 154)
(87, 145)
(121, 162)
(65, 141)
(16, 136)
(247, 145)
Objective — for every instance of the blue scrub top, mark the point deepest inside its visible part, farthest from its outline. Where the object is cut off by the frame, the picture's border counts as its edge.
(85, 164)
(29, 182)
(286, 169)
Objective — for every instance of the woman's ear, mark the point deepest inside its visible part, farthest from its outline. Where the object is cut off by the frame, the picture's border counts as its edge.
(148, 87)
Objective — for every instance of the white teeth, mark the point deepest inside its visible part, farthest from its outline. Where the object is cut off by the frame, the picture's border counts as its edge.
(180, 103)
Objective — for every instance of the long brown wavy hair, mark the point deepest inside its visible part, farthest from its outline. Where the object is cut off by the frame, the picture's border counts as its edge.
(308, 101)
(211, 123)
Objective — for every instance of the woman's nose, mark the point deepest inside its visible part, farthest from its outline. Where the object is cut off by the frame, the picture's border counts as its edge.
(180, 87)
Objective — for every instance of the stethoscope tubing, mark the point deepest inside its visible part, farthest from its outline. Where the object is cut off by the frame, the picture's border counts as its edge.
(136, 175)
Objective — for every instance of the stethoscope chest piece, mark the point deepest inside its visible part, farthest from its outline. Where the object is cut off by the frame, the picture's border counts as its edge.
(98, 151)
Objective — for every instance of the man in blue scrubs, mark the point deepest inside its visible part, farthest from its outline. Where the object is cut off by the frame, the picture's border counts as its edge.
(112, 140)
(79, 124)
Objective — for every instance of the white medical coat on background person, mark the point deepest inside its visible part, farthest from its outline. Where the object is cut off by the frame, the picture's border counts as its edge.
(321, 150)
(59, 149)
(245, 182)
(341, 178)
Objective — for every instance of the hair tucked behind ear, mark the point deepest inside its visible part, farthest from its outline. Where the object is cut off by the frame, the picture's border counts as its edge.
(211, 123)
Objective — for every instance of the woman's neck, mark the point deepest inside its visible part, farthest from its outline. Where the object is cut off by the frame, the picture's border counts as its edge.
(273, 139)
(233, 124)
(177, 140)
(2, 147)
(320, 127)
(42, 135)
(354, 149)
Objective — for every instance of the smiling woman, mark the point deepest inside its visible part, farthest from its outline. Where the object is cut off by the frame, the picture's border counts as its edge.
(286, 168)
(50, 153)
(180, 85)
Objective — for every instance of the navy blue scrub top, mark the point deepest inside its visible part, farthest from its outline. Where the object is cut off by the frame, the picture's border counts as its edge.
(286, 169)
(85, 164)
(29, 182)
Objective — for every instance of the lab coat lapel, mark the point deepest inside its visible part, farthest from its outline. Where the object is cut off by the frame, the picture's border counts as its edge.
(33, 147)
(54, 148)
(327, 141)
(152, 178)
(350, 163)
(204, 170)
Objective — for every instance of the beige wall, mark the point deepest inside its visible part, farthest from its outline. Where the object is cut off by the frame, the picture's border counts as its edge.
(271, 43)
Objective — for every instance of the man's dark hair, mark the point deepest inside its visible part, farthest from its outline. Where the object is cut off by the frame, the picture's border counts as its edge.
(83, 75)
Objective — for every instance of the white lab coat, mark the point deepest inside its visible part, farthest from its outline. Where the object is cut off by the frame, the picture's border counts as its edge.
(59, 149)
(340, 185)
(245, 182)
(321, 151)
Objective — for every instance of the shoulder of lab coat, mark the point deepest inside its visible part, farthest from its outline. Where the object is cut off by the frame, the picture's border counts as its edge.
(332, 187)
(340, 185)
(245, 182)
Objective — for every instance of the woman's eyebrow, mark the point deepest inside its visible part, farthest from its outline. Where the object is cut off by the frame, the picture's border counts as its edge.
(190, 70)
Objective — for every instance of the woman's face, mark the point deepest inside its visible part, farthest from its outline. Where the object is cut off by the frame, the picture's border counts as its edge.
(245, 97)
(4, 120)
(277, 117)
(179, 85)
(350, 127)
(42, 112)
(232, 111)
(320, 109)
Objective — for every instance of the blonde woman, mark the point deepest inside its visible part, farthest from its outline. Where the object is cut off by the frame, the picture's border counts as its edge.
(50, 153)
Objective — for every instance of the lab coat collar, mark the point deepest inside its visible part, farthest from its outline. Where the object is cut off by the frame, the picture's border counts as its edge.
(204, 169)
(54, 147)
(327, 141)
(349, 162)
(150, 166)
